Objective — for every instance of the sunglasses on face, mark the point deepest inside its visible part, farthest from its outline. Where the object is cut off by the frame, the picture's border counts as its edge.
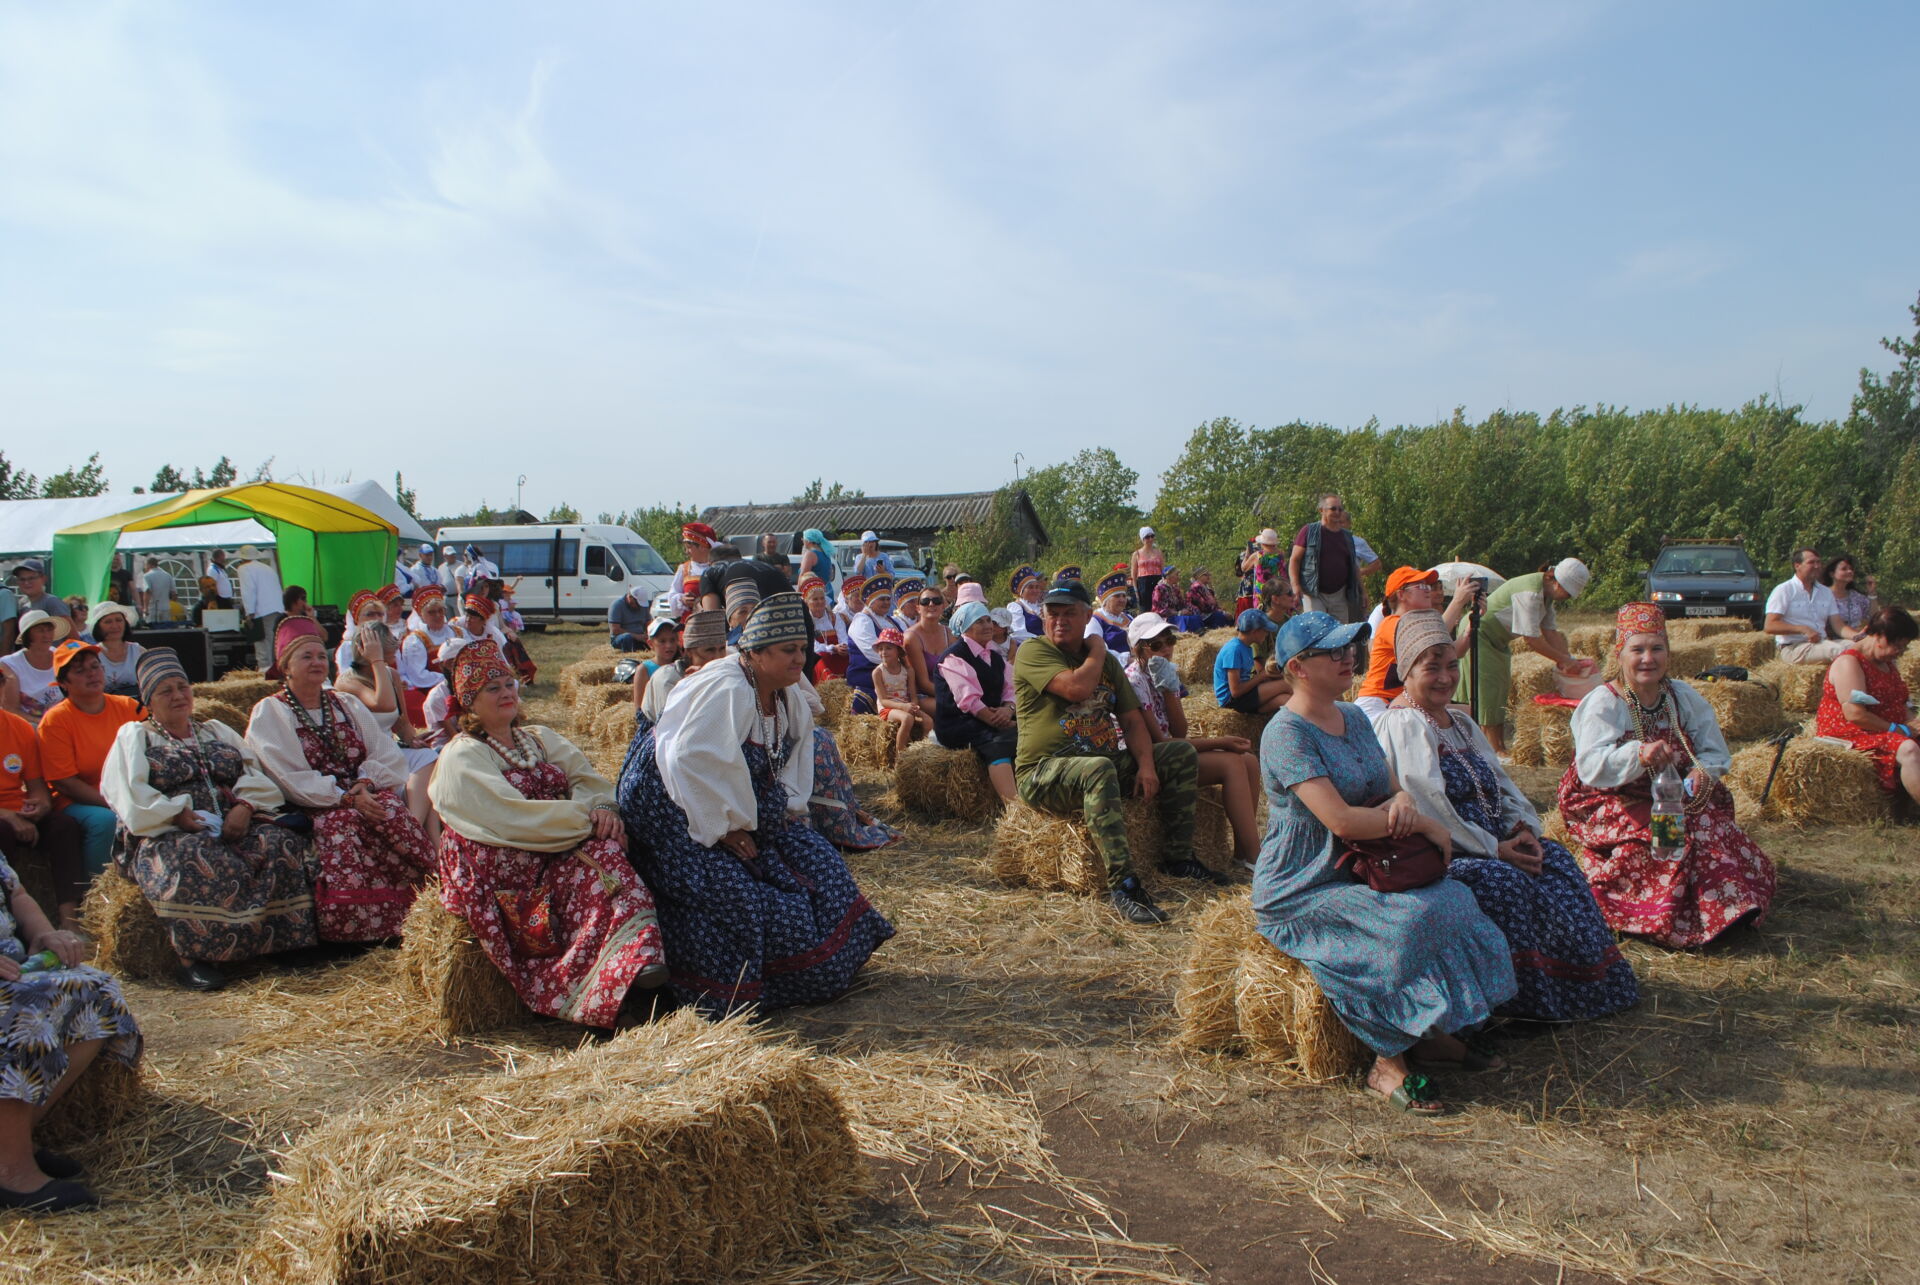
(932, 602)
(1315, 653)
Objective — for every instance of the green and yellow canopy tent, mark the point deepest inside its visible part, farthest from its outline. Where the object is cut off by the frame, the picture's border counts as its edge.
(331, 546)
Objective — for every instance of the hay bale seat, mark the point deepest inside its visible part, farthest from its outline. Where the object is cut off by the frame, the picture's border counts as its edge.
(836, 700)
(107, 1096)
(129, 939)
(1820, 781)
(1194, 654)
(1909, 666)
(867, 740)
(1542, 735)
(613, 727)
(1746, 711)
(1038, 849)
(1592, 641)
(220, 711)
(582, 673)
(1240, 994)
(447, 977)
(936, 782)
(1709, 628)
(590, 701)
(241, 688)
(680, 1151)
(1748, 650)
(1531, 676)
(1799, 685)
(1206, 718)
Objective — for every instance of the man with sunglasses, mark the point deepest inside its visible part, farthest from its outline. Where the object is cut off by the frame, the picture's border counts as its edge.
(1073, 700)
(1327, 567)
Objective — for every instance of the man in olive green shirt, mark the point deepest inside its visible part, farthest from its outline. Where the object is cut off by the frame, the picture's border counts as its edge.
(1073, 700)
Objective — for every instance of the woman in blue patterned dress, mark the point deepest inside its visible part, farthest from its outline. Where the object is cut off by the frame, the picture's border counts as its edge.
(1407, 970)
(757, 909)
(54, 1021)
(1564, 955)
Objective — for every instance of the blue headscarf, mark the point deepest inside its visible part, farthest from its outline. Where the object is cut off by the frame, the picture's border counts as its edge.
(818, 540)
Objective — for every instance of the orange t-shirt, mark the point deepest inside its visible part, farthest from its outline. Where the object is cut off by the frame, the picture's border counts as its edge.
(76, 744)
(19, 760)
(1379, 661)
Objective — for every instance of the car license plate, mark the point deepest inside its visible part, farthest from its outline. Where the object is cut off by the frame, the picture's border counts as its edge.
(1706, 611)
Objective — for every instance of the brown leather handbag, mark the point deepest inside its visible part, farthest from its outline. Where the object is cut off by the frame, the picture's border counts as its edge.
(1387, 864)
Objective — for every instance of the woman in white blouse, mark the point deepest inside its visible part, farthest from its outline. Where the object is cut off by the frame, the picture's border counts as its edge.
(534, 855)
(109, 624)
(756, 907)
(332, 760)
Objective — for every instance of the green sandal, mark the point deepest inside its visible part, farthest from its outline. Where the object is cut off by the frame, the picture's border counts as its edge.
(1414, 1096)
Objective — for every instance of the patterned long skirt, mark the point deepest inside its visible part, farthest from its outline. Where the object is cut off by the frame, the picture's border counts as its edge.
(602, 916)
(790, 927)
(834, 808)
(226, 902)
(1719, 878)
(367, 872)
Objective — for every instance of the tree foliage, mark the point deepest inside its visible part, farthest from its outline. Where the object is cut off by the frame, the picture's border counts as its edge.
(89, 479)
(16, 483)
(816, 493)
(563, 513)
(659, 525)
(405, 495)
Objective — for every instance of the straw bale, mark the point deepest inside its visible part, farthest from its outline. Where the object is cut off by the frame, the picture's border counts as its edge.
(220, 711)
(1543, 735)
(241, 688)
(1819, 781)
(836, 698)
(1747, 650)
(1554, 826)
(1239, 993)
(1206, 718)
(613, 726)
(104, 1098)
(938, 782)
(1746, 711)
(129, 940)
(1056, 853)
(1523, 737)
(583, 673)
(590, 698)
(1593, 641)
(1909, 665)
(1194, 654)
(1746, 807)
(1531, 676)
(447, 977)
(867, 740)
(1799, 685)
(1707, 628)
(680, 1151)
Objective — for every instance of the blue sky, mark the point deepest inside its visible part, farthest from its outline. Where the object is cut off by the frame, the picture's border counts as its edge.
(647, 252)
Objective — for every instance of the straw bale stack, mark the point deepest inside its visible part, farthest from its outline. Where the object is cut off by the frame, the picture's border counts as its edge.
(222, 712)
(1206, 718)
(129, 939)
(1746, 711)
(1056, 853)
(609, 653)
(937, 782)
(1747, 650)
(1819, 781)
(1909, 665)
(613, 727)
(100, 1101)
(1240, 994)
(1542, 735)
(1592, 641)
(1708, 628)
(241, 688)
(590, 701)
(582, 673)
(1532, 675)
(447, 977)
(867, 740)
(680, 1151)
(1799, 686)
(1684, 660)
(1194, 654)
(836, 699)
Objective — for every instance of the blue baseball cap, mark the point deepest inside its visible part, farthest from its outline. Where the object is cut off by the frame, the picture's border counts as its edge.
(1313, 630)
(1253, 618)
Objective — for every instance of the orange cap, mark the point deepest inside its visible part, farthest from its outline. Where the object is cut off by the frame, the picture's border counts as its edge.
(1404, 576)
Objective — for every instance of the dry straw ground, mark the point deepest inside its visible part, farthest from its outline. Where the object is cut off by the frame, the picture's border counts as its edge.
(1756, 1118)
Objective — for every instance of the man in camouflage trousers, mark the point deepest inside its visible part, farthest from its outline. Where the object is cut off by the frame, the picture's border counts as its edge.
(1073, 700)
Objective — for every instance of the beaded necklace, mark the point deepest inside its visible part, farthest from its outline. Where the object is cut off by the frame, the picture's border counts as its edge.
(526, 751)
(1643, 730)
(192, 743)
(1456, 738)
(322, 725)
(766, 727)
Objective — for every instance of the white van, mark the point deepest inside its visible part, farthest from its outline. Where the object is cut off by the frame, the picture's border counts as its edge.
(566, 569)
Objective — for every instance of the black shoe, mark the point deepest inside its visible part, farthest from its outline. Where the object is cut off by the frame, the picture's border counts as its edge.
(55, 1165)
(1191, 869)
(202, 976)
(1133, 903)
(55, 1197)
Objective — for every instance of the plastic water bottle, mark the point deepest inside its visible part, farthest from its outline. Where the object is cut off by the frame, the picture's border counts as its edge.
(1669, 824)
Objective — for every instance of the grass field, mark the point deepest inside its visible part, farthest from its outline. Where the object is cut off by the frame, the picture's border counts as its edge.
(1007, 1061)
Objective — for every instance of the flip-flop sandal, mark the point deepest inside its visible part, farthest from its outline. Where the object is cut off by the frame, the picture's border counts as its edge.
(1414, 1096)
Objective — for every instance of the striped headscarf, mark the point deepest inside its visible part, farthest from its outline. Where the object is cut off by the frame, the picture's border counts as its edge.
(155, 666)
(778, 619)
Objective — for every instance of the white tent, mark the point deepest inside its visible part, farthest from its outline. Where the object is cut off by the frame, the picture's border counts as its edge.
(27, 526)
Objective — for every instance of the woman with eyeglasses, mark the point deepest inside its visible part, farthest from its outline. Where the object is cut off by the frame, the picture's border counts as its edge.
(533, 856)
(1406, 971)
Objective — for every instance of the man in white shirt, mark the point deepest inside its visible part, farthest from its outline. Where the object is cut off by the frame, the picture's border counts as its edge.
(1801, 611)
(424, 572)
(261, 598)
(451, 567)
(156, 594)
